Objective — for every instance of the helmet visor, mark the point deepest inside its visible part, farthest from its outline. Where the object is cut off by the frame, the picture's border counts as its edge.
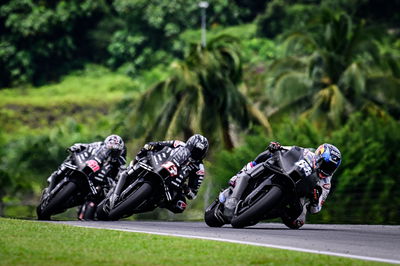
(327, 168)
(198, 152)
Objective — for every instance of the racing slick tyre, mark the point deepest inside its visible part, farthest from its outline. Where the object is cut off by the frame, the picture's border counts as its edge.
(49, 207)
(212, 217)
(101, 214)
(127, 206)
(255, 212)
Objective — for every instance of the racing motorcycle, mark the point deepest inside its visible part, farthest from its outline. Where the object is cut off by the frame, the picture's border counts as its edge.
(283, 178)
(152, 182)
(79, 181)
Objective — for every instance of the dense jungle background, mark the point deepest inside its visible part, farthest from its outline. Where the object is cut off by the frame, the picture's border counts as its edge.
(298, 72)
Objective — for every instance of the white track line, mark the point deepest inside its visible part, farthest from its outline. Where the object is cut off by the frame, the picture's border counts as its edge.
(254, 244)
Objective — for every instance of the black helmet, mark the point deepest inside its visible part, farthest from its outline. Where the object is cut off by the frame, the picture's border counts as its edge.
(114, 146)
(198, 146)
(328, 159)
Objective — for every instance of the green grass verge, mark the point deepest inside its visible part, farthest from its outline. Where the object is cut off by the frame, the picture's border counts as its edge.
(85, 96)
(37, 243)
(95, 83)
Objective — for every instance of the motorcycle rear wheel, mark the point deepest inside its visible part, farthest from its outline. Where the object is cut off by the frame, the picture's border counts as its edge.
(253, 215)
(131, 202)
(45, 211)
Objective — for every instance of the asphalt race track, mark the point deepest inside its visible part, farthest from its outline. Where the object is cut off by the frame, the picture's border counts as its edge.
(367, 242)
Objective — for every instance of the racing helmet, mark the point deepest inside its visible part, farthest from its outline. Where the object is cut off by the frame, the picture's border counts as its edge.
(328, 159)
(113, 146)
(198, 146)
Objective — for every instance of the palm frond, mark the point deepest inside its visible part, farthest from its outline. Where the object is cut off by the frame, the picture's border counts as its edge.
(289, 87)
(257, 115)
(329, 103)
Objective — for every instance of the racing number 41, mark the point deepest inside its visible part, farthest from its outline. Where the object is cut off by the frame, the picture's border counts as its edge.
(94, 165)
(171, 168)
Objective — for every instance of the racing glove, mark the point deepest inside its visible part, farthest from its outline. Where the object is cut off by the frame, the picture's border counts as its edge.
(314, 197)
(143, 151)
(190, 194)
(75, 148)
(274, 146)
(149, 146)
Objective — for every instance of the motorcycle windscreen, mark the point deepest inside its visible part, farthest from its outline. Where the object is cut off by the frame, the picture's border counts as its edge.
(289, 159)
(299, 170)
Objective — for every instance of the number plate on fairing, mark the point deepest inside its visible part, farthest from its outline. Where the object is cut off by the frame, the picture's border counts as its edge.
(171, 168)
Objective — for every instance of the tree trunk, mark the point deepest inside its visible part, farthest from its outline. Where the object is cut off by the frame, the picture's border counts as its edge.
(228, 143)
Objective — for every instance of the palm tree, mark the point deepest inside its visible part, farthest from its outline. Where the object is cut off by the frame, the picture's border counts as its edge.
(332, 70)
(201, 96)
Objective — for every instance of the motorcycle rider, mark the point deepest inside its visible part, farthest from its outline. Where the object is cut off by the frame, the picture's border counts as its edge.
(113, 152)
(193, 170)
(323, 162)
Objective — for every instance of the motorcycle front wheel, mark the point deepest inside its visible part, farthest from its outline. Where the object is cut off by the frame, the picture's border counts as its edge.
(127, 206)
(48, 207)
(255, 212)
(101, 214)
(211, 215)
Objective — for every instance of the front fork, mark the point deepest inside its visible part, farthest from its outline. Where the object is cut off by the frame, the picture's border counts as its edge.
(116, 192)
(224, 195)
(48, 194)
(117, 189)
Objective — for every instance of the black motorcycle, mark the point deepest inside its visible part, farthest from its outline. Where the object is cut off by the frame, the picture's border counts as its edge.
(79, 182)
(150, 183)
(283, 178)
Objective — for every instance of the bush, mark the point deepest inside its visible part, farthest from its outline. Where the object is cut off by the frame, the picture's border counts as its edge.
(366, 187)
(43, 40)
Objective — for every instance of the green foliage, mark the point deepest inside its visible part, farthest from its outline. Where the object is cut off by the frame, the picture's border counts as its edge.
(226, 164)
(151, 29)
(255, 7)
(42, 41)
(37, 36)
(366, 189)
(333, 65)
(85, 95)
(6, 182)
(242, 31)
(280, 17)
(90, 84)
(260, 50)
(201, 96)
(254, 50)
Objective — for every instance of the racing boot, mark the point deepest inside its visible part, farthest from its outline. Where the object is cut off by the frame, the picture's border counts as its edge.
(87, 211)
